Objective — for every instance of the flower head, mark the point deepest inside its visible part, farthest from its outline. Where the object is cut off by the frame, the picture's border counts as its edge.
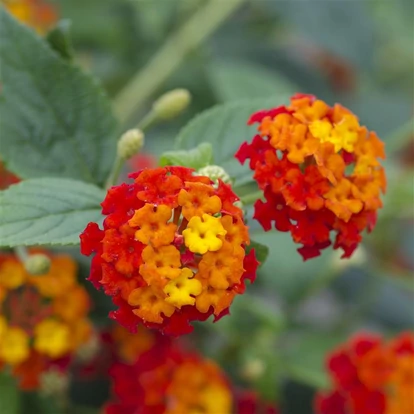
(370, 376)
(172, 249)
(43, 319)
(163, 376)
(320, 172)
(38, 14)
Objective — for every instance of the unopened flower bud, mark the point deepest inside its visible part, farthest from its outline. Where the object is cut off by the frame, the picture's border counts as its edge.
(37, 264)
(87, 351)
(253, 370)
(53, 382)
(171, 104)
(130, 143)
(215, 172)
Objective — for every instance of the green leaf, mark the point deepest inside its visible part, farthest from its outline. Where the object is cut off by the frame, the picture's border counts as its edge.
(55, 120)
(47, 211)
(60, 41)
(9, 395)
(234, 80)
(37, 403)
(284, 271)
(194, 158)
(261, 251)
(304, 361)
(225, 128)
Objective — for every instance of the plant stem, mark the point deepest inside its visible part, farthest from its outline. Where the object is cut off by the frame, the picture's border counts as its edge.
(200, 26)
(114, 174)
(251, 198)
(149, 120)
(21, 253)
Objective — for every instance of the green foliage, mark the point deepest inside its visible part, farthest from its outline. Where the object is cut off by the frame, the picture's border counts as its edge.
(305, 358)
(195, 158)
(55, 119)
(60, 41)
(10, 402)
(284, 271)
(225, 128)
(47, 211)
(233, 80)
(261, 250)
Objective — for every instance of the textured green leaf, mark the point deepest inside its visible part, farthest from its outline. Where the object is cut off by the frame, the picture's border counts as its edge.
(55, 120)
(225, 128)
(194, 158)
(47, 211)
(234, 80)
(59, 39)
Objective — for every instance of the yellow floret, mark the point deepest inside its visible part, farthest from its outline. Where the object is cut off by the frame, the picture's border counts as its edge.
(52, 338)
(201, 234)
(14, 345)
(181, 289)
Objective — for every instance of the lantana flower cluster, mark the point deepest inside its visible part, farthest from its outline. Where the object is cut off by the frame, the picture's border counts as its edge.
(155, 374)
(43, 319)
(370, 376)
(38, 14)
(319, 170)
(172, 249)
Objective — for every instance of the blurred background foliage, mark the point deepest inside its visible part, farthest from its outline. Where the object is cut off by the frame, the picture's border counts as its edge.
(358, 53)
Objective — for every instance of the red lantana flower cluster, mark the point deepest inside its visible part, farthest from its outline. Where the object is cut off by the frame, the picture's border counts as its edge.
(319, 170)
(156, 375)
(172, 249)
(371, 376)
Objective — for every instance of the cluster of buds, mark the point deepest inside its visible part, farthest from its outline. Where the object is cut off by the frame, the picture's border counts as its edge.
(43, 319)
(319, 171)
(35, 13)
(371, 376)
(154, 374)
(172, 249)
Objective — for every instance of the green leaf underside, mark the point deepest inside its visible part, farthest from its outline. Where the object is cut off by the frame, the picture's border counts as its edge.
(225, 128)
(47, 211)
(55, 120)
(194, 158)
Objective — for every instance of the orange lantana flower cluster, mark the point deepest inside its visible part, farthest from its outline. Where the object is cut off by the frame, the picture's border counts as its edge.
(371, 376)
(320, 172)
(38, 14)
(153, 374)
(172, 249)
(43, 319)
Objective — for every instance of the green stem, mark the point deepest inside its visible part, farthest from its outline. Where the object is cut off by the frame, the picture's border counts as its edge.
(199, 27)
(149, 120)
(114, 174)
(21, 253)
(251, 198)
